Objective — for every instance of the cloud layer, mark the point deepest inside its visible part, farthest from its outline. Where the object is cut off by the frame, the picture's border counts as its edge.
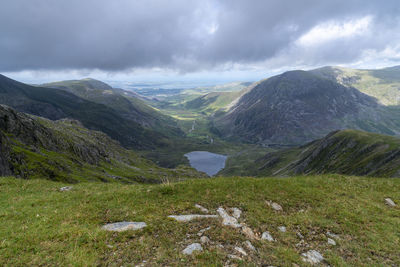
(191, 35)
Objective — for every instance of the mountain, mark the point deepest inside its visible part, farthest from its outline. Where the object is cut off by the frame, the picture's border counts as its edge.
(63, 150)
(348, 152)
(58, 104)
(382, 84)
(299, 106)
(126, 103)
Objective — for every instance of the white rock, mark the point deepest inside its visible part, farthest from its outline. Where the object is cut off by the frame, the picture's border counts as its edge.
(192, 248)
(313, 257)
(390, 202)
(267, 236)
(190, 217)
(331, 242)
(282, 229)
(201, 232)
(124, 226)
(66, 188)
(204, 240)
(227, 219)
(249, 233)
(201, 208)
(236, 213)
(234, 257)
(332, 235)
(250, 246)
(300, 235)
(274, 205)
(241, 251)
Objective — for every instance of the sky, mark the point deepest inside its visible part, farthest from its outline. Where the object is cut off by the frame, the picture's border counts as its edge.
(189, 41)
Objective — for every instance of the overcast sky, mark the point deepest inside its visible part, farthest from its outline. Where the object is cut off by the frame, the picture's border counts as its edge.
(211, 40)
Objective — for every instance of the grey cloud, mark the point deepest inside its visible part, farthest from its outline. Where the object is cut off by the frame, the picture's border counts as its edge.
(178, 34)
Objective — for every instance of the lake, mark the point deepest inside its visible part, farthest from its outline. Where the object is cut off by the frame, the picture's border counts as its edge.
(207, 162)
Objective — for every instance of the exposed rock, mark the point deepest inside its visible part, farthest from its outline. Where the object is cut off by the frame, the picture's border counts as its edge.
(331, 242)
(274, 205)
(234, 257)
(249, 233)
(241, 251)
(190, 217)
(332, 235)
(236, 212)
(124, 226)
(267, 236)
(227, 219)
(282, 229)
(299, 235)
(65, 188)
(249, 246)
(313, 257)
(201, 208)
(204, 240)
(192, 248)
(390, 202)
(201, 232)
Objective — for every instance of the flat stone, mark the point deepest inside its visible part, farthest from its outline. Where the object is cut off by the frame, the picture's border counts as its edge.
(234, 257)
(201, 208)
(227, 219)
(190, 217)
(249, 233)
(66, 188)
(282, 229)
(124, 226)
(390, 202)
(313, 257)
(204, 240)
(192, 248)
(249, 246)
(241, 251)
(332, 235)
(267, 236)
(274, 206)
(236, 213)
(331, 242)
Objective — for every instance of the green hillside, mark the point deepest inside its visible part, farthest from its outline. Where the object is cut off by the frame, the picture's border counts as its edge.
(42, 226)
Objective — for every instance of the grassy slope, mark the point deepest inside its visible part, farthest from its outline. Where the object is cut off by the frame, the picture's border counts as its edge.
(41, 226)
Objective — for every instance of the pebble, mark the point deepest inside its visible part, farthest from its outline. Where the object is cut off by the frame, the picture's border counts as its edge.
(124, 226)
(331, 242)
(201, 208)
(313, 257)
(299, 235)
(201, 232)
(66, 188)
(332, 235)
(227, 219)
(250, 246)
(249, 233)
(192, 248)
(234, 257)
(390, 202)
(241, 251)
(190, 217)
(204, 240)
(274, 205)
(267, 236)
(282, 229)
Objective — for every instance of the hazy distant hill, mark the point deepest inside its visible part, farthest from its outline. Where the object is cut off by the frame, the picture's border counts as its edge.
(299, 106)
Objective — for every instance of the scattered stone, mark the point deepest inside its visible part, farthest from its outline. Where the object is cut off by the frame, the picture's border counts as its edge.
(192, 248)
(249, 233)
(299, 235)
(65, 188)
(201, 232)
(236, 213)
(124, 226)
(267, 236)
(250, 246)
(282, 229)
(109, 246)
(234, 257)
(201, 208)
(227, 219)
(390, 202)
(274, 205)
(313, 257)
(331, 242)
(190, 217)
(332, 235)
(204, 240)
(241, 251)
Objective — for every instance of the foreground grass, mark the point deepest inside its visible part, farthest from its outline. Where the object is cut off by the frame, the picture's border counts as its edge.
(42, 226)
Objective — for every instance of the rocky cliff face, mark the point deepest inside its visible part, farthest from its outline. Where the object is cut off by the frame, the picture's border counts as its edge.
(297, 107)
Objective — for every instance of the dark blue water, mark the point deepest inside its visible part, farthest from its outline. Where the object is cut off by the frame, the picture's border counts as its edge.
(207, 162)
